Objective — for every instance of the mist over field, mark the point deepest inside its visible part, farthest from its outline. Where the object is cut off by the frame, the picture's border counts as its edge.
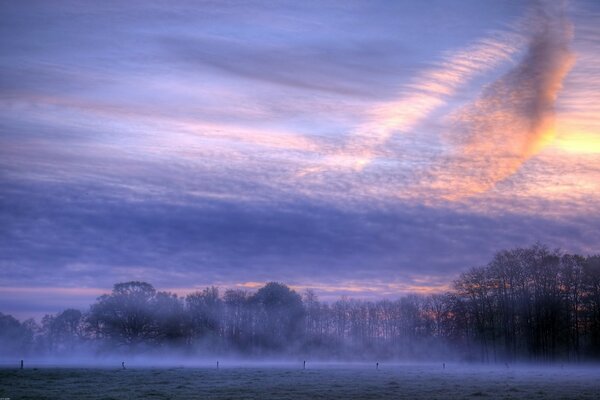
(526, 305)
(357, 381)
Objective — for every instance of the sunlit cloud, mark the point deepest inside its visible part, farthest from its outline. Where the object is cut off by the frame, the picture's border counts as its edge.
(364, 288)
(419, 98)
(578, 106)
(583, 143)
(514, 117)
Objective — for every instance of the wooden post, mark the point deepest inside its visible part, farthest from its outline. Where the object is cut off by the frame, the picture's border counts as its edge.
(21, 364)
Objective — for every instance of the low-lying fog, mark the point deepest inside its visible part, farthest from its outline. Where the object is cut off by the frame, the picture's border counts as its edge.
(168, 378)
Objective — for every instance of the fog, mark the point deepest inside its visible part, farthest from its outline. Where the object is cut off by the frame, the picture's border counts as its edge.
(528, 305)
(254, 380)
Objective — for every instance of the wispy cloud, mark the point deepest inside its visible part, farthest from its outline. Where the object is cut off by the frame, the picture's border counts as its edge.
(418, 99)
(514, 117)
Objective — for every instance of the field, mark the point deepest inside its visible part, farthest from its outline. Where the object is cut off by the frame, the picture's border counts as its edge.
(290, 381)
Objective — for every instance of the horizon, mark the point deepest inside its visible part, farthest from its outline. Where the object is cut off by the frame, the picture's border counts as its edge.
(86, 296)
(83, 297)
(367, 149)
(526, 304)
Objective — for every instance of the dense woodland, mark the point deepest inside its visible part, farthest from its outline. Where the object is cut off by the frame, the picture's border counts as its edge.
(529, 304)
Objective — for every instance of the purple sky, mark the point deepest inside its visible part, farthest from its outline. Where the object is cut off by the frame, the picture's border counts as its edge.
(362, 148)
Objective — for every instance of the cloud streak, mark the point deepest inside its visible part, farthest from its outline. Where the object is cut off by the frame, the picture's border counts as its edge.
(514, 117)
(426, 93)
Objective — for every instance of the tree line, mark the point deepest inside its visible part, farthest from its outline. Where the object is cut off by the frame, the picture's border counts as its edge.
(526, 304)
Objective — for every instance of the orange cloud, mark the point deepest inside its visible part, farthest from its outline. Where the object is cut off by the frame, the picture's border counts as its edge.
(333, 291)
(512, 120)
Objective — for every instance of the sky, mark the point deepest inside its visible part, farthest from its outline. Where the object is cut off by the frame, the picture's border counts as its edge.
(361, 148)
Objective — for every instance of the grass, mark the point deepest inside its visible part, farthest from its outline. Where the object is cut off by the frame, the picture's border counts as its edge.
(287, 382)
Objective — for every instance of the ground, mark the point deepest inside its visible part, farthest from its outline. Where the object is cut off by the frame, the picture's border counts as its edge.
(290, 381)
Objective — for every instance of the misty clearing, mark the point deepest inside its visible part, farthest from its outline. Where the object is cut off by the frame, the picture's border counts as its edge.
(290, 381)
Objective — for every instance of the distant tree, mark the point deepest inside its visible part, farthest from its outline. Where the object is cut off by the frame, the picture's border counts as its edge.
(63, 331)
(169, 319)
(473, 287)
(340, 311)
(280, 315)
(16, 339)
(591, 299)
(237, 319)
(529, 303)
(312, 308)
(571, 281)
(127, 315)
(37, 345)
(438, 312)
(204, 312)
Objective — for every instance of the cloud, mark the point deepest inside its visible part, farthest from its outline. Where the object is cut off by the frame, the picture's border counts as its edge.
(163, 147)
(72, 234)
(514, 117)
(418, 99)
(578, 107)
(337, 69)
